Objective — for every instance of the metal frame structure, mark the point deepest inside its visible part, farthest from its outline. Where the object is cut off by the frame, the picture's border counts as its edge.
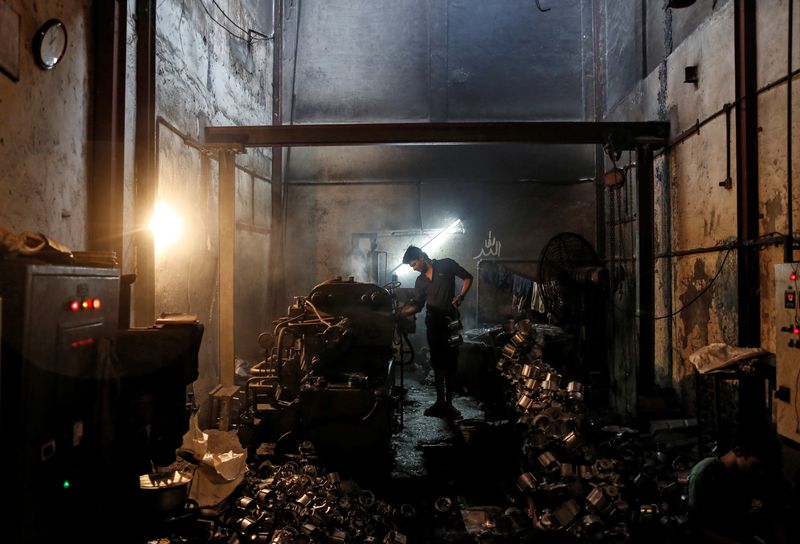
(643, 137)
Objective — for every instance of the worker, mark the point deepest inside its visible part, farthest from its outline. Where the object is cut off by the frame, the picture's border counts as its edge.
(435, 289)
(734, 497)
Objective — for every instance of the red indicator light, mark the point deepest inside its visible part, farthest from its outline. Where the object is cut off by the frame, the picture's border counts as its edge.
(74, 306)
(75, 344)
(96, 304)
(793, 276)
(796, 330)
(90, 340)
(85, 304)
(790, 296)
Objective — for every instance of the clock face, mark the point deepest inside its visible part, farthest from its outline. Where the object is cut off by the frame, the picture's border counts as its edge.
(50, 43)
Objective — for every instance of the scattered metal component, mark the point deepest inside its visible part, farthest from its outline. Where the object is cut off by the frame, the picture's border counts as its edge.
(567, 512)
(510, 351)
(526, 482)
(571, 483)
(443, 504)
(299, 504)
(590, 481)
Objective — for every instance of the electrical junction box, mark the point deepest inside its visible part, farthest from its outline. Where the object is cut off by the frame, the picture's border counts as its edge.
(55, 395)
(786, 409)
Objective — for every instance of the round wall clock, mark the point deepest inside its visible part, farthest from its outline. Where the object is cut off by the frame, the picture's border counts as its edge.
(50, 44)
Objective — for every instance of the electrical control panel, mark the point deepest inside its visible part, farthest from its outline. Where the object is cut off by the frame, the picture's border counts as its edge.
(53, 390)
(787, 351)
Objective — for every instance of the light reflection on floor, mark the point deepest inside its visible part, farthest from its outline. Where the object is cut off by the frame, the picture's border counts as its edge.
(420, 431)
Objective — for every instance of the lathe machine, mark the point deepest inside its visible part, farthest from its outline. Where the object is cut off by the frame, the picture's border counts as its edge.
(327, 376)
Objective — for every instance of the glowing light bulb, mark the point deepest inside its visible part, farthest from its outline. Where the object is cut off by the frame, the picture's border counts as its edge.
(166, 225)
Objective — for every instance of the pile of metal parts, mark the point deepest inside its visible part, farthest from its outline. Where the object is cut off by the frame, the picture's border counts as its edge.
(299, 502)
(327, 375)
(602, 484)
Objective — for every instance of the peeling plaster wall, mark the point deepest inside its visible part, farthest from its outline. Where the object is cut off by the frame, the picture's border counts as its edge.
(692, 209)
(206, 76)
(45, 120)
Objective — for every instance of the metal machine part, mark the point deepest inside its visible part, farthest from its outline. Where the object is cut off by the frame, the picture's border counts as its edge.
(455, 327)
(327, 377)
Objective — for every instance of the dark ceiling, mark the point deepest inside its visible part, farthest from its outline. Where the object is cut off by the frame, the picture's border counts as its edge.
(375, 61)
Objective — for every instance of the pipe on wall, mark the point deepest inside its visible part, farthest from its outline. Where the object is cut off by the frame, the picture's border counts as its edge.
(646, 274)
(144, 162)
(788, 251)
(751, 394)
(276, 282)
(108, 133)
(745, 46)
(227, 243)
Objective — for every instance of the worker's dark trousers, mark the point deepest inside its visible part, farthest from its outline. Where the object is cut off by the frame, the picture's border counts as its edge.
(444, 357)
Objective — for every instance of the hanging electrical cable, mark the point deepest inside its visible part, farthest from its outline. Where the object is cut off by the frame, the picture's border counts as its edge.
(788, 255)
(702, 291)
(260, 36)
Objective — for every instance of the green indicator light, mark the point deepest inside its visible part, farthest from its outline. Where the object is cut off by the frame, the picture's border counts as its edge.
(66, 484)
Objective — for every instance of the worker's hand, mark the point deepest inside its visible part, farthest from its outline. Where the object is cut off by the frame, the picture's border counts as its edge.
(457, 300)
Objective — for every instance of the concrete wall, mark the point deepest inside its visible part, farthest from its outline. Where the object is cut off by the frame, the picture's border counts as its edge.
(45, 120)
(207, 76)
(692, 209)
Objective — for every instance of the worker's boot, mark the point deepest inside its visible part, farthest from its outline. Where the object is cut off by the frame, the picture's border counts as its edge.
(438, 409)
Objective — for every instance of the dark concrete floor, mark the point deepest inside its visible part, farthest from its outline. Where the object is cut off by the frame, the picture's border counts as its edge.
(419, 433)
(452, 484)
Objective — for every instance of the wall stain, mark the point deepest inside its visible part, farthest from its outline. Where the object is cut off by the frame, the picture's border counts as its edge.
(726, 301)
(696, 315)
(774, 210)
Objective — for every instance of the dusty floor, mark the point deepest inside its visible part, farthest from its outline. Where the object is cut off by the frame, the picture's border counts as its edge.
(418, 433)
(440, 470)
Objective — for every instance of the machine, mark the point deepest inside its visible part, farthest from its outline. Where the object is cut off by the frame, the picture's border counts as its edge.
(84, 406)
(58, 323)
(327, 376)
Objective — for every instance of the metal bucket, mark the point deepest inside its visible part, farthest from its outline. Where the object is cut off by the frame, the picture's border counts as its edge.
(164, 492)
(470, 430)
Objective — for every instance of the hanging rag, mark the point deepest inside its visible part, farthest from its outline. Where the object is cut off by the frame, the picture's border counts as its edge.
(521, 293)
(537, 300)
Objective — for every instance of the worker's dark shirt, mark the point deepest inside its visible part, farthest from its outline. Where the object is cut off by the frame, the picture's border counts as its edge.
(438, 293)
(719, 499)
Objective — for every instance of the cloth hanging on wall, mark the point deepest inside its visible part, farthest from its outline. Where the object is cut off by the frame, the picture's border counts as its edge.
(521, 293)
(537, 301)
(497, 276)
